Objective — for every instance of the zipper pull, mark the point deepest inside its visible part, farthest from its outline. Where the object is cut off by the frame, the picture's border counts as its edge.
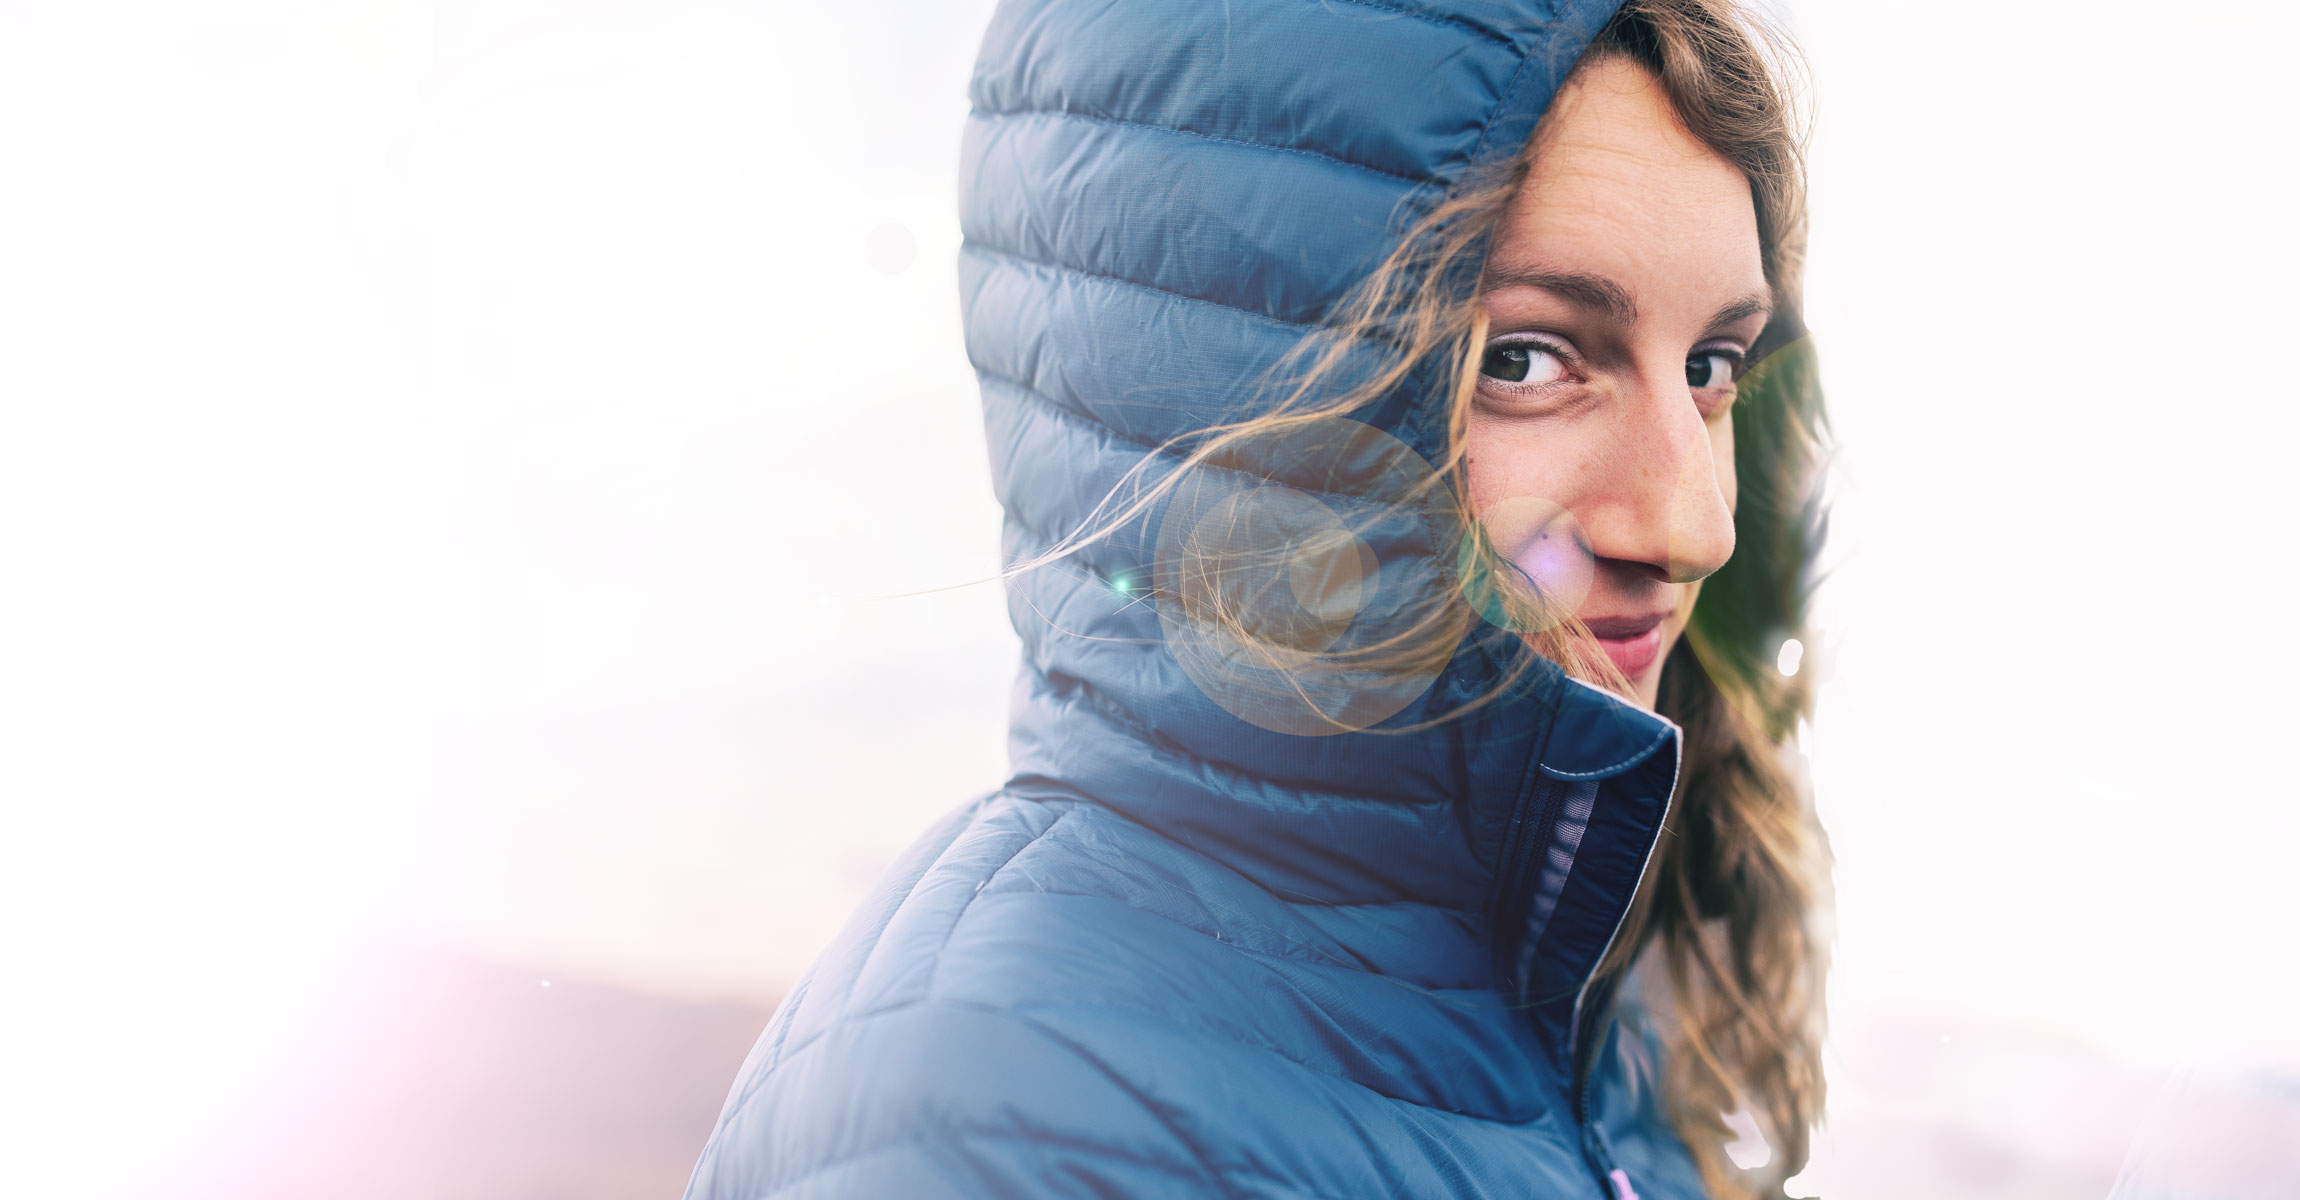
(1621, 1188)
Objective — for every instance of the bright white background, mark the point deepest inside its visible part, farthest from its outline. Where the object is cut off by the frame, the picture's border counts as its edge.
(453, 454)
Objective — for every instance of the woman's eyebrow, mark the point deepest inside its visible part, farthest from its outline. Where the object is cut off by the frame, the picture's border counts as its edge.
(1608, 297)
(1599, 294)
(1583, 290)
(1752, 305)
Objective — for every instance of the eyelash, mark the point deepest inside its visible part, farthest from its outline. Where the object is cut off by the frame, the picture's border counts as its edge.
(1738, 359)
(1570, 361)
(1559, 350)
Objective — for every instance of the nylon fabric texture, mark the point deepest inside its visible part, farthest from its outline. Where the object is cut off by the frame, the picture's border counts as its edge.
(1180, 953)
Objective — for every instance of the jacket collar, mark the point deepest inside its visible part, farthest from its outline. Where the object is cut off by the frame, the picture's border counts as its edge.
(1533, 815)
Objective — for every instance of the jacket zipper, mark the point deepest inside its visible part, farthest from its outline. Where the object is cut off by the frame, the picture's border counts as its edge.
(1612, 1180)
(1585, 1038)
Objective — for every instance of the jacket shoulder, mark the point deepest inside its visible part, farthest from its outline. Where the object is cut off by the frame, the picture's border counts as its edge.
(934, 1098)
(1050, 999)
(873, 1081)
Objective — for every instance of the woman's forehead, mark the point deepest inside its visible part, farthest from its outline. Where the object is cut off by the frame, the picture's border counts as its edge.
(1620, 190)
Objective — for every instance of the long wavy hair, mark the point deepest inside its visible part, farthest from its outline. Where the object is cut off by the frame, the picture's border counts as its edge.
(1735, 893)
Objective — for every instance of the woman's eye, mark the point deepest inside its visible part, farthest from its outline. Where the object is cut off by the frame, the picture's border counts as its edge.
(1522, 363)
(1715, 369)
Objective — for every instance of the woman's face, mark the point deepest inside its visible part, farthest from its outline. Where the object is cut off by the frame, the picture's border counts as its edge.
(1624, 290)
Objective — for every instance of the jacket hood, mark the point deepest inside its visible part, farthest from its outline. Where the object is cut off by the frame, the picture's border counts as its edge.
(1159, 200)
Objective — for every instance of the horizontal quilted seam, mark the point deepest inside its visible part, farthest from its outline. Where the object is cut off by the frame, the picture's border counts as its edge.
(1183, 131)
(978, 246)
(1306, 953)
(1298, 900)
(1491, 35)
(1027, 334)
(927, 1138)
(1023, 1022)
(1067, 412)
(1145, 445)
(1134, 1090)
(1081, 692)
(1315, 958)
(1155, 1017)
(1021, 1017)
(1314, 902)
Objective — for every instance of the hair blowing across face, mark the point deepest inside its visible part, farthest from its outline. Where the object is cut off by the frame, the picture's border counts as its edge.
(1736, 890)
(1736, 894)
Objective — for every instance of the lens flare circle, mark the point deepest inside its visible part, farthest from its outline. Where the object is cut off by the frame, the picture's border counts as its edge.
(1286, 576)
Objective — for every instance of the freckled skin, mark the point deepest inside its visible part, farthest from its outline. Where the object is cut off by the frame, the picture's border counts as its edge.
(1620, 191)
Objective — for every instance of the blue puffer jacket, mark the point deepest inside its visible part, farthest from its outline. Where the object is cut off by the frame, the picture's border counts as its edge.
(1179, 954)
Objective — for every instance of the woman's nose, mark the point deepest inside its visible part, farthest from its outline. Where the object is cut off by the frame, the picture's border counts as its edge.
(1665, 500)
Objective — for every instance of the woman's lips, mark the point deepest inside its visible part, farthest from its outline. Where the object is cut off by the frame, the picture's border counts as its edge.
(1631, 642)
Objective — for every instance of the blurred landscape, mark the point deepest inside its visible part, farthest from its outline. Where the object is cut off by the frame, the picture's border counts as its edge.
(437, 1074)
(494, 494)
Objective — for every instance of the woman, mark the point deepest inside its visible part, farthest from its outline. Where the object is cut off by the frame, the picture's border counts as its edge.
(1364, 383)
